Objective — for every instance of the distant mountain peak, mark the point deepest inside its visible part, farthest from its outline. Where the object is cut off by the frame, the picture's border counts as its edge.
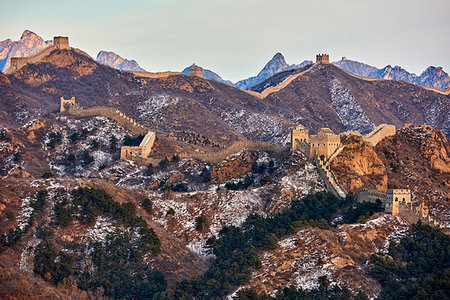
(27, 34)
(115, 61)
(275, 65)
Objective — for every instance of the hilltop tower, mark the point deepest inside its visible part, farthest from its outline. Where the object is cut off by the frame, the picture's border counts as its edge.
(61, 42)
(66, 104)
(322, 59)
(196, 71)
(396, 197)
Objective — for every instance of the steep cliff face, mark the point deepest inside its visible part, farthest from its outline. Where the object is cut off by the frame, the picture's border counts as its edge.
(113, 60)
(417, 157)
(29, 44)
(233, 167)
(358, 166)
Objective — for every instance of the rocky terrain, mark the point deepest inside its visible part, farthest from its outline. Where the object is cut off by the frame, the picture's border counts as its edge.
(113, 60)
(417, 157)
(340, 254)
(179, 105)
(78, 222)
(358, 166)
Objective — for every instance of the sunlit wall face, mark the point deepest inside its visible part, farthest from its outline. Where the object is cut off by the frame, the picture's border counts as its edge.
(237, 37)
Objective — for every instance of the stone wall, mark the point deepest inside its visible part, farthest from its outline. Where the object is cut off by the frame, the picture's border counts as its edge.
(370, 196)
(328, 178)
(382, 131)
(395, 198)
(64, 103)
(299, 134)
(19, 62)
(235, 147)
(154, 75)
(59, 42)
(413, 215)
(119, 117)
(143, 150)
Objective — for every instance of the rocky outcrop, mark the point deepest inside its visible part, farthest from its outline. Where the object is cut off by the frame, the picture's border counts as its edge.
(358, 166)
(113, 60)
(340, 254)
(29, 44)
(233, 166)
(417, 157)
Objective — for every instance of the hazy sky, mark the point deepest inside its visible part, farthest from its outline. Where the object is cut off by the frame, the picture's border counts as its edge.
(235, 38)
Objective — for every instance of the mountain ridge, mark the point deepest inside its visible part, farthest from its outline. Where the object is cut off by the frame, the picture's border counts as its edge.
(113, 60)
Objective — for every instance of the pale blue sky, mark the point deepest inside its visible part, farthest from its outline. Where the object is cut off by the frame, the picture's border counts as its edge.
(235, 38)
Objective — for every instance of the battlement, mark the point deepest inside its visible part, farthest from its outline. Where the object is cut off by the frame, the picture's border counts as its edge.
(65, 105)
(196, 71)
(61, 42)
(322, 59)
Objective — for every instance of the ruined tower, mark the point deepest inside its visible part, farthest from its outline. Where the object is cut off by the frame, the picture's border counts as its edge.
(196, 71)
(322, 59)
(61, 42)
(66, 104)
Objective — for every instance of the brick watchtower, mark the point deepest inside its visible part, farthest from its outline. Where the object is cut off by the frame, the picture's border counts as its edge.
(322, 59)
(61, 42)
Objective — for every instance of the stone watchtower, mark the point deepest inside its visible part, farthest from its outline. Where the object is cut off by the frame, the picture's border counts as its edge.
(395, 198)
(299, 134)
(61, 42)
(196, 71)
(322, 59)
(66, 104)
(324, 143)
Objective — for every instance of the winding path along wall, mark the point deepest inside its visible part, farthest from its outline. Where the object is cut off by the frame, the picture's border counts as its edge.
(114, 114)
(216, 157)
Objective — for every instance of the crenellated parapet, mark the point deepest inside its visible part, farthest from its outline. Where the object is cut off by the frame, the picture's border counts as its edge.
(322, 59)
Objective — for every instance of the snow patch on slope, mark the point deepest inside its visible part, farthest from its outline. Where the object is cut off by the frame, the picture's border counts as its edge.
(347, 108)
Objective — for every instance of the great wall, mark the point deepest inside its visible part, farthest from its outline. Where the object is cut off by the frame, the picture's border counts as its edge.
(323, 147)
(216, 157)
(320, 148)
(140, 152)
(59, 43)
